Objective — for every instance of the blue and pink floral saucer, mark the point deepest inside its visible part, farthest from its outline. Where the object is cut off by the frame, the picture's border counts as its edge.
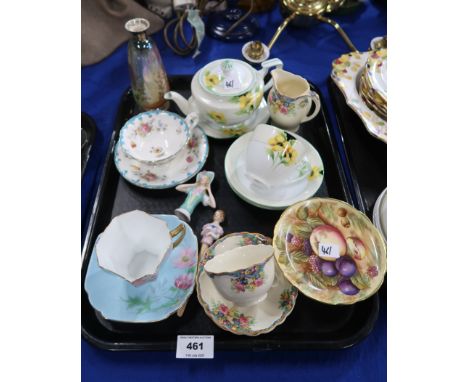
(118, 300)
(187, 163)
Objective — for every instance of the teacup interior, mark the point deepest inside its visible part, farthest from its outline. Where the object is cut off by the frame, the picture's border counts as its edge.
(239, 258)
(156, 136)
(290, 85)
(133, 245)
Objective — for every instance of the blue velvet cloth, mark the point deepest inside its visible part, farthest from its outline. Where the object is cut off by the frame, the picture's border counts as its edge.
(308, 52)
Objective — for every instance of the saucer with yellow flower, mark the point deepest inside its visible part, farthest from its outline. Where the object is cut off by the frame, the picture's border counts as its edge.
(282, 151)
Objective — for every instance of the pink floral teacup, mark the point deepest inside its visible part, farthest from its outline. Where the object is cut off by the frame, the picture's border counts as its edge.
(243, 275)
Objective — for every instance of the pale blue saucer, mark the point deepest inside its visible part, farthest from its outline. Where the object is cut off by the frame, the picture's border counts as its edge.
(118, 300)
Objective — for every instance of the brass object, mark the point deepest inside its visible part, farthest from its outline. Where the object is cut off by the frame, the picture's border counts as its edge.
(380, 44)
(255, 50)
(312, 8)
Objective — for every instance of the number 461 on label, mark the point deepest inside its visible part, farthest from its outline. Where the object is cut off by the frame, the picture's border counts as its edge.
(195, 347)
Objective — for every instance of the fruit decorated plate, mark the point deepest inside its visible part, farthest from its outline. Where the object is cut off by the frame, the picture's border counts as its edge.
(330, 251)
(253, 320)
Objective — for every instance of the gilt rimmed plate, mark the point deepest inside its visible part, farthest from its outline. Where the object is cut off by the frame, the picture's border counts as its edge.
(352, 265)
(187, 163)
(250, 321)
(379, 214)
(118, 300)
(346, 71)
(280, 197)
(377, 72)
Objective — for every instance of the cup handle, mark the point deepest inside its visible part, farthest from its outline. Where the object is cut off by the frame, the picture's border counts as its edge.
(191, 120)
(315, 100)
(179, 229)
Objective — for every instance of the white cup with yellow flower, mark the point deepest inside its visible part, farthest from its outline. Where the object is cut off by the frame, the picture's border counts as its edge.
(274, 158)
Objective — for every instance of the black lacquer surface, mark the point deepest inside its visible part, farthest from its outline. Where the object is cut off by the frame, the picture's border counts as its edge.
(311, 325)
(366, 155)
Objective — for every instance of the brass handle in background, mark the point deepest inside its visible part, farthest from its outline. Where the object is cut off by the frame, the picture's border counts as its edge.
(280, 29)
(339, 29)
(320, 18)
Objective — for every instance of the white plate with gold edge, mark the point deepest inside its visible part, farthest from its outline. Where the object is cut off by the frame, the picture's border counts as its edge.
(346, 71)
(281, 197)
(379, 213)
(253, 320)
(377, 72)
(356, 268)
(261, 116)
(187, 163)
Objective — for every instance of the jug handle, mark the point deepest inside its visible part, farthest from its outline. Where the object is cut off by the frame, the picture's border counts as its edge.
(315, 100)
(179, 229)
(266, 65)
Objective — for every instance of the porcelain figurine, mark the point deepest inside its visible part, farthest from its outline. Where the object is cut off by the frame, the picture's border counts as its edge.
(226, 93)
(243, 275)
(135, 244)
(210, 233)
(198, 192)
(290, 100)
(275, 158)
(156, 136)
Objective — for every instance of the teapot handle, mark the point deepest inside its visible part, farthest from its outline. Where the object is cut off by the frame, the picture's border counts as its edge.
(266, 65)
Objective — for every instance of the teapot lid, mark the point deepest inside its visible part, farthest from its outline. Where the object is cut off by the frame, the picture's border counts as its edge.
(227, 77)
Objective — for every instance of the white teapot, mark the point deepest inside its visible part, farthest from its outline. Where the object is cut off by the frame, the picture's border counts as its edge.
(226, 93)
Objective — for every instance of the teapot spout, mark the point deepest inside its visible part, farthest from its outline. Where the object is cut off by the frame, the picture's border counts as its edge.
(180, 101)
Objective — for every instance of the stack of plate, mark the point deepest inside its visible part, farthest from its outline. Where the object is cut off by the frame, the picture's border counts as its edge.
(373, 83)
(347, 72)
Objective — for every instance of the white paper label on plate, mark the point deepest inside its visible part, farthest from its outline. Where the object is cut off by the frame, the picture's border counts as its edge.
(328, 251)
(195, 347)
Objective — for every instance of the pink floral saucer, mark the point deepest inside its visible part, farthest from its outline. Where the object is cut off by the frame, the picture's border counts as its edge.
(186, 164)
(253, 320)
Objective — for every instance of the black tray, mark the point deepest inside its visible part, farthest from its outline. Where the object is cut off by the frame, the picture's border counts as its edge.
(88, 131)
(366, 155)
(310, 325)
